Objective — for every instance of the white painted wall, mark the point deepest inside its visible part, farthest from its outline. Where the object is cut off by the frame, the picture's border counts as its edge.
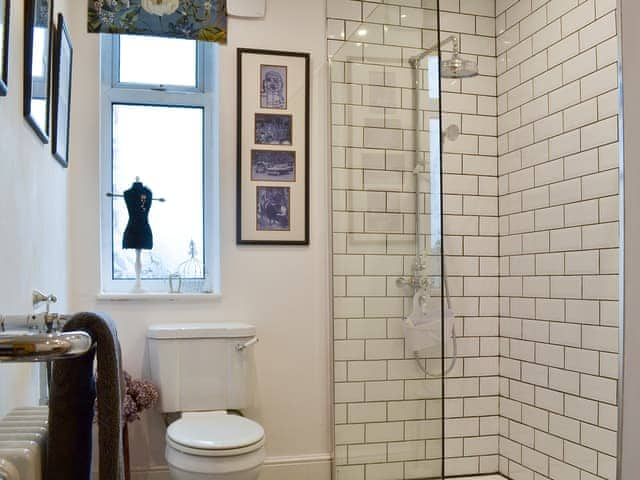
(282, 290)
(33, 222)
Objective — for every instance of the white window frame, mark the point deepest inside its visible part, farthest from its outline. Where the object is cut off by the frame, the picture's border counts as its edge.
(203, 96)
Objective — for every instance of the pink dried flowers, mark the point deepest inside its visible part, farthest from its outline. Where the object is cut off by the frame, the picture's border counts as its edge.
(139, 395)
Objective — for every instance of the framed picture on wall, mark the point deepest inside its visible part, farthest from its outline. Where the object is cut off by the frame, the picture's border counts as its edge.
(62, 68)
(5, 8)
(273, 148)
(37, 59)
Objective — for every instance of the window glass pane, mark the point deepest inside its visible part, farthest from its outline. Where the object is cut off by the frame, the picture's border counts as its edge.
(164, 147)
(158, 61)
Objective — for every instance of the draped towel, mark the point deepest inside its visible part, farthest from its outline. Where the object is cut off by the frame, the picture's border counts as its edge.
(190, 19)
(71, 406)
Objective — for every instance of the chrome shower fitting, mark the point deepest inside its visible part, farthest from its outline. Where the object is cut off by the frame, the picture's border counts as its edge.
(415, 61)
(455, 67)
(415, 282)
(451, 133)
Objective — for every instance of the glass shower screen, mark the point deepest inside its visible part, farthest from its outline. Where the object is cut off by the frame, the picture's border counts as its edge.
(391, 312)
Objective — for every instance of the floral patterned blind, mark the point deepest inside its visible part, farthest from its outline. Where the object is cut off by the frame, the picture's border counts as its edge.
(192, 19)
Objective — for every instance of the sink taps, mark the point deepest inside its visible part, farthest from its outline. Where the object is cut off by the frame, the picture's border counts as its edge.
(37, 298)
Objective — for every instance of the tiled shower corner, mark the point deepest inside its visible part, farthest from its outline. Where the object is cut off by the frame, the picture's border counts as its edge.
(559, 232)
(531, 239)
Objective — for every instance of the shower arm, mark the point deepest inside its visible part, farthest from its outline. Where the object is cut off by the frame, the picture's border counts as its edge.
(453, 39)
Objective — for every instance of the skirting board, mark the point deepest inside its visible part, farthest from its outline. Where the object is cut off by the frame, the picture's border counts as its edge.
(310, 467)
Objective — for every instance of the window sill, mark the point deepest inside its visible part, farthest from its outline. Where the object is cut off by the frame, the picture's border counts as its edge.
(159, 297)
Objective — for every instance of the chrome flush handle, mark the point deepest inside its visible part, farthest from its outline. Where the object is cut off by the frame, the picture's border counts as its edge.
(244, 346)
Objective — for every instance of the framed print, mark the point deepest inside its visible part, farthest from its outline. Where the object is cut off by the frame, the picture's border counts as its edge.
(273, 129)
(37, 58)
(273, 148)
(273, 209)
(5, 9)
(273, 83)
(273, 165)
(62, 68)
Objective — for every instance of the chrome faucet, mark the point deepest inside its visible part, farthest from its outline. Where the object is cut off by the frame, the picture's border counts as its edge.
(38, 298)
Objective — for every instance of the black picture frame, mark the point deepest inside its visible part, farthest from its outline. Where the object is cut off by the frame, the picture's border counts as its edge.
(62, 77)
(5, 15)
(244, 180)
(33, 15)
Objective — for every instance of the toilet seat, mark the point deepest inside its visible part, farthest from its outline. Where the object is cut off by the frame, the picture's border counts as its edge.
(215, 434)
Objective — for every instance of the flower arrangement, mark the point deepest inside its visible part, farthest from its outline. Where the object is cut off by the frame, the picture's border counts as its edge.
(140, 395)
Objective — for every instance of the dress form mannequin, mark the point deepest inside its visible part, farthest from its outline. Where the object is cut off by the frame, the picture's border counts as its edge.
(138, 235)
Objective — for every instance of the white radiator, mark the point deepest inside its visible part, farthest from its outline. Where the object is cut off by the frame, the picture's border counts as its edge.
(23, 443)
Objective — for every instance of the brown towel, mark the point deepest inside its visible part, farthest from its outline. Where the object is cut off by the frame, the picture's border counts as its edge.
(71, 405)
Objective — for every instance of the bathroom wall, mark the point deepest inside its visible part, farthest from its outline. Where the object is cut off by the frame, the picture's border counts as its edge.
(33, 195)
(559, 178)
(386, 413)
(282, 290)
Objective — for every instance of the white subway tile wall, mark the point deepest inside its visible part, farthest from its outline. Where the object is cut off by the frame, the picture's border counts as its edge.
(559, 237)
(531, 239)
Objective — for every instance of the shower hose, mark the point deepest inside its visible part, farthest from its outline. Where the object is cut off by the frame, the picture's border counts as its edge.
(454, 359)
(454, 337)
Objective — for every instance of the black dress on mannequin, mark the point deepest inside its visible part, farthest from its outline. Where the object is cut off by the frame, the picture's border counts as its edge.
(138, 235)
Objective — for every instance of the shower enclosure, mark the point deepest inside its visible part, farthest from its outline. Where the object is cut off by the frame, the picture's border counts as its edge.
(476, 238)
(391, 300)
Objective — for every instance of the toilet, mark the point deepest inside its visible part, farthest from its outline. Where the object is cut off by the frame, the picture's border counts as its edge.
(204, 373)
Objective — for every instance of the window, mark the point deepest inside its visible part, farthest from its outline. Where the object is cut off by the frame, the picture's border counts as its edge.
(158, 125)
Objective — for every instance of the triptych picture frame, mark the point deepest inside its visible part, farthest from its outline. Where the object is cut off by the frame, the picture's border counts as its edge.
(273, 148)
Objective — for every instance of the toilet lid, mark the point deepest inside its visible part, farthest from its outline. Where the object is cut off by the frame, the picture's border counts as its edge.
(215, 431)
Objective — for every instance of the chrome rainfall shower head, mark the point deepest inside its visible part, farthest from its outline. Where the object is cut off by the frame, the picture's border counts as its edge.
(457, 67)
